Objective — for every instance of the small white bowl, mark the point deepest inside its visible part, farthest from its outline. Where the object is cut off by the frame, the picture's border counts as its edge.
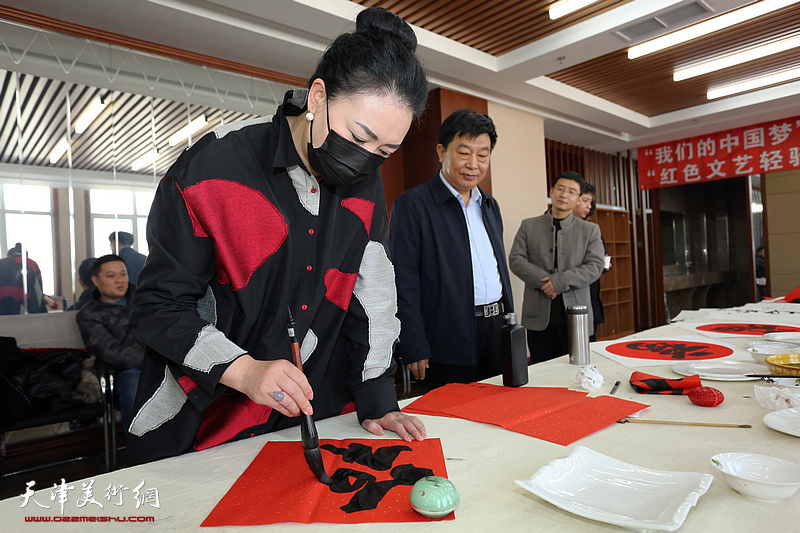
(759, 477)
(759, 350)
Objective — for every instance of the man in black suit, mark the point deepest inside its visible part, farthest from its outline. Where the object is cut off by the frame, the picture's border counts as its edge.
(446, 242)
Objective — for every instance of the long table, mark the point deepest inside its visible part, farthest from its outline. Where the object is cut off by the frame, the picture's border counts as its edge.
(482, 461)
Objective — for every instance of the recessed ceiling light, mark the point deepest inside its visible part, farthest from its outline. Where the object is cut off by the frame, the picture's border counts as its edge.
(89, 115)
(756, 52)
(186, 131)
(145, 159)
(58, 150)
(565, 7)
(754, 83)
(708, 26)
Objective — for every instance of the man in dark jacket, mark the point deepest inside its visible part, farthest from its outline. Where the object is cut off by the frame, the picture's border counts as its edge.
(107, 331)
(446, 241)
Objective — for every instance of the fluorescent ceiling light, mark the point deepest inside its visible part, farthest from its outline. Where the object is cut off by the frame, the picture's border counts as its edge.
(144, 160)
(754, 83)
(187, 131)
(565, 7)
(708, 26)
(89, 115)
(58, 150)
(756, 52)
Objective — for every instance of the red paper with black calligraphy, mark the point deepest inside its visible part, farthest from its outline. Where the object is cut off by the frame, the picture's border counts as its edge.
(673, 351)
(761, 148)
(372, 483)
(737, 328)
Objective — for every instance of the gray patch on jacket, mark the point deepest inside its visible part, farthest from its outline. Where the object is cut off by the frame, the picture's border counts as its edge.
(303, 185)
(207, 307)
(160, 408)
(309, 344)
(211, 348)
(375, 290)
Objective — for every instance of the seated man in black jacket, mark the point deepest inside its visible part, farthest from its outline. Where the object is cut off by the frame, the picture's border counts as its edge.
(107, 331)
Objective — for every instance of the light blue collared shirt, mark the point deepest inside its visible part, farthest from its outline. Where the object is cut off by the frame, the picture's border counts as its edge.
(487, 287)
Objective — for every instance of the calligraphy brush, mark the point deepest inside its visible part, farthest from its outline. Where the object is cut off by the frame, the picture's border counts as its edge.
(710, 424)
(308, 431)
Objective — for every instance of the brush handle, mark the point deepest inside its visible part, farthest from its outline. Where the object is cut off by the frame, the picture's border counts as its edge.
(709, 424)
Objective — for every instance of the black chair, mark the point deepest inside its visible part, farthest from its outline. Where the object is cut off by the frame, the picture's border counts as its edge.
(105, 373)
(74, 414)
(405, 373)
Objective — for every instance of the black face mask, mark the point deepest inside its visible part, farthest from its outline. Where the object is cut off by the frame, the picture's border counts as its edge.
(341, 162)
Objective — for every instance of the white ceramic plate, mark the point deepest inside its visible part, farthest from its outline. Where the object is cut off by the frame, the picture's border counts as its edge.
(784, 336)
(598, 487)
(784, 420)
(720, 370)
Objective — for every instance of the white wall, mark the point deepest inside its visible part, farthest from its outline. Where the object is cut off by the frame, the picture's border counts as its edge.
(519, 176)
(783, 227)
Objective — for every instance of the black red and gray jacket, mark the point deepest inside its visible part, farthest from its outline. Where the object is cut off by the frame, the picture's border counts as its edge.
(239, 233)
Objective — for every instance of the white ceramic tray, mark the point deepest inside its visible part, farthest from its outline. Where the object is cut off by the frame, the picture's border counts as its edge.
(595, 486)
(784, 336)
(720, 370)
(784, 420)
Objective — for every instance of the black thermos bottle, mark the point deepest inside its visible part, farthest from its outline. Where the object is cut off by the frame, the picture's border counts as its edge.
(515, 356)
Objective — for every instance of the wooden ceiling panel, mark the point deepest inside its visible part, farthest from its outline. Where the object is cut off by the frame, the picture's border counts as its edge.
(645, 84)
(495, 27)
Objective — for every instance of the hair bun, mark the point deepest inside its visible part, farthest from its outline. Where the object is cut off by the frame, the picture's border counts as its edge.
(379, 19)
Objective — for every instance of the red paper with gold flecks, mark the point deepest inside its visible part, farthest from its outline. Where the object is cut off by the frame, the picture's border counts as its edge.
(278, 486)
(554, 414)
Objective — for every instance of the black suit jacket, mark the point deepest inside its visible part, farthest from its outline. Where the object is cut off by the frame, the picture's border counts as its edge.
(430, 250)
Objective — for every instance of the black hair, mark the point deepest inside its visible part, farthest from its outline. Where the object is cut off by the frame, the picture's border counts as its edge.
(468, 123)
(85, 270)
(123, 238)
(590, 189)
(379, 57)
(102, 260)
(572, 176)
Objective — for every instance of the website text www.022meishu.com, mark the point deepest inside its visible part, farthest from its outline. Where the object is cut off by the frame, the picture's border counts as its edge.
(90, 519)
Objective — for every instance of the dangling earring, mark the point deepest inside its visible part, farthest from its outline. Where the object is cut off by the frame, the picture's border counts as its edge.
(309, 116)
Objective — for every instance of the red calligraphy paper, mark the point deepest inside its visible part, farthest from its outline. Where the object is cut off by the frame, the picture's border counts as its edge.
(554, 414)
(668, 350)
(766, 147)
(568, 425)
(436, 401)
(278, 486)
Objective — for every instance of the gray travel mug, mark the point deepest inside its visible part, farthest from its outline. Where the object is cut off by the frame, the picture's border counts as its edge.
(578, 329)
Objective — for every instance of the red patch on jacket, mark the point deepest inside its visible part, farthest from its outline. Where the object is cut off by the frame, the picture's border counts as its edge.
(348, 408)
(339, 287)
(226, 417)
(245, 226)
(187, 384)
(362, 209)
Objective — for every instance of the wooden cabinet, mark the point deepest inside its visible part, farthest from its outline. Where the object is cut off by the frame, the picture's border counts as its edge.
(616, 285)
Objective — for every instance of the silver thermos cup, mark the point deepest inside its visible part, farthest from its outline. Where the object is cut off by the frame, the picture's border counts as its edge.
(578, 328)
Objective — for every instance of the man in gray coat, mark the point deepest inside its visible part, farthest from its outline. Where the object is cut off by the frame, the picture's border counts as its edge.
(558, 256)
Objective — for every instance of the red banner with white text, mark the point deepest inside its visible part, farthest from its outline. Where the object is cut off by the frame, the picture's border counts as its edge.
(767, 147)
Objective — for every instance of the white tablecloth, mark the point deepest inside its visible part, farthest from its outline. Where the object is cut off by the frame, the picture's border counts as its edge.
(482, 460)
